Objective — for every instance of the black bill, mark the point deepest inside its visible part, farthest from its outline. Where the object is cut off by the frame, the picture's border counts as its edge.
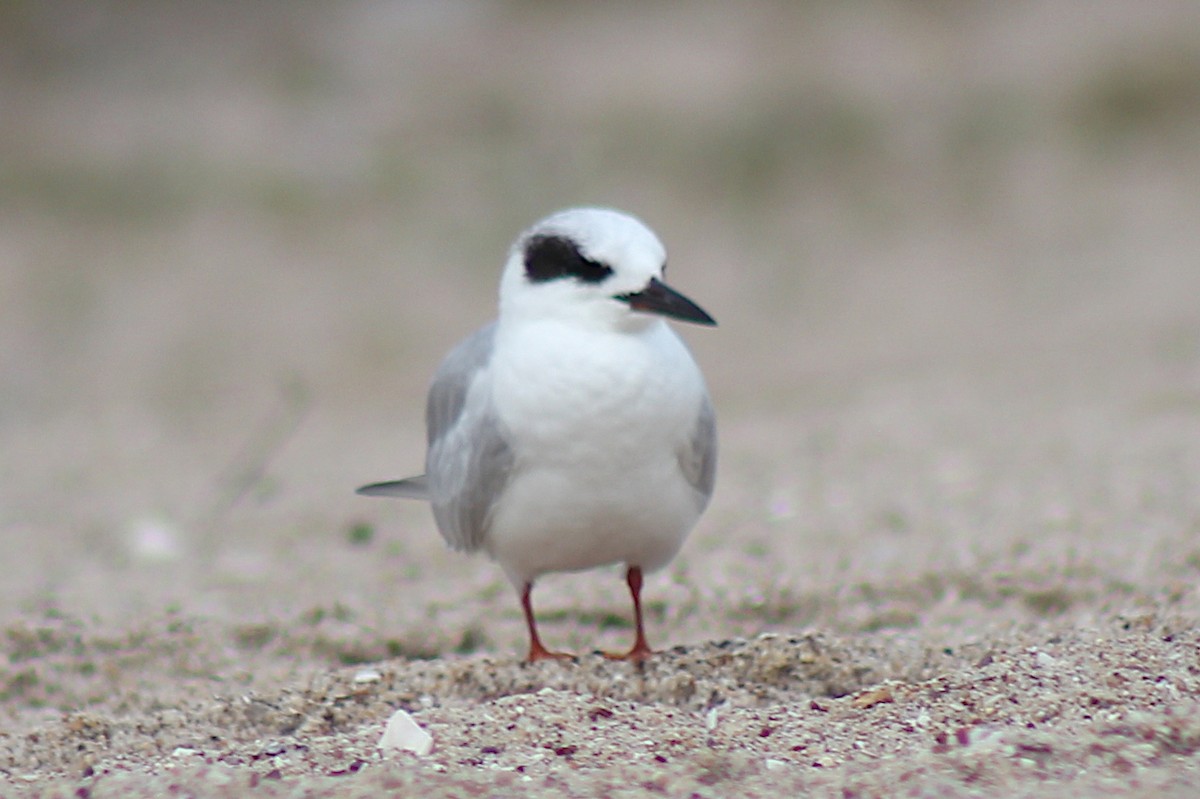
(661, 299)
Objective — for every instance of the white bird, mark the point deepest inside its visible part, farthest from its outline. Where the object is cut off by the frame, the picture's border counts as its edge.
(576, 430)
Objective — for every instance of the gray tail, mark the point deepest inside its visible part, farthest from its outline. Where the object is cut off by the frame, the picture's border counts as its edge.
(410, 488)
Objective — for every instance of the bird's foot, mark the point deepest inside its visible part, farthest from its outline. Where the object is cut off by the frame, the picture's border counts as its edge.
(538, 652)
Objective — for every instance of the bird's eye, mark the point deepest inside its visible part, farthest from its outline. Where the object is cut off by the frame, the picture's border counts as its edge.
(554, 257)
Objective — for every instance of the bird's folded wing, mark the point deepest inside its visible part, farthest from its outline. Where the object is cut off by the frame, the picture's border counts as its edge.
(469, 459)
(698, 459)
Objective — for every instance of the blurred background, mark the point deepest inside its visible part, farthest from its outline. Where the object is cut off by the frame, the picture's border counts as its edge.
(953, 248)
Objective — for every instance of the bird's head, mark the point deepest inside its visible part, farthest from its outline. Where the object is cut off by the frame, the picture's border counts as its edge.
(594, 266)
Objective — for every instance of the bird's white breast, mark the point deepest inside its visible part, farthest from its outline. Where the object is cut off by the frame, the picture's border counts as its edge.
(596, 421)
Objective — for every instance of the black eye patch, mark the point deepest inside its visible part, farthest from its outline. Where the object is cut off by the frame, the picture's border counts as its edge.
(554, 257)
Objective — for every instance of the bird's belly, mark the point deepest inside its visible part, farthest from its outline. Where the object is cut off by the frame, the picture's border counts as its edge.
(562, 520)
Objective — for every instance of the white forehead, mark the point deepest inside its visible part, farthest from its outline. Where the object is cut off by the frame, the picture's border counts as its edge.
(619, 240)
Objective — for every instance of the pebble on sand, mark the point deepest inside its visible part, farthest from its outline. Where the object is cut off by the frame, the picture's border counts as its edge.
(402, 734)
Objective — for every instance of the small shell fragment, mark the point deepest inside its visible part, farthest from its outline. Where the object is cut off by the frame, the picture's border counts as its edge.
(367, 676)
(402, 734)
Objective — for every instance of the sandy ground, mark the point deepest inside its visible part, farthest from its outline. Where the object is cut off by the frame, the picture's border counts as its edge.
(953, 252)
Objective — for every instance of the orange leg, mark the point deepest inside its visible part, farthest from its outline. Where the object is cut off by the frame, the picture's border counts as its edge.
(536, 650)
(641, 650)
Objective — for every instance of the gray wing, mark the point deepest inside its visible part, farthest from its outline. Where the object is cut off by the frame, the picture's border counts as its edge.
(469, 460)
(698, 458)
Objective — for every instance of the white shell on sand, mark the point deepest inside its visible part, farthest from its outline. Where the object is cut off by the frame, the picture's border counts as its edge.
(405, 735)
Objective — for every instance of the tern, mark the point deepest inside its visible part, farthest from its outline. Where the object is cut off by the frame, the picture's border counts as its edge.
(576, 430)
